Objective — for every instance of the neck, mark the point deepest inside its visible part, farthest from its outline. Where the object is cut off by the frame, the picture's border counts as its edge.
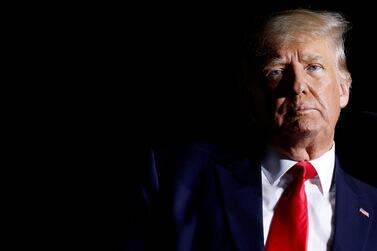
(302, 149)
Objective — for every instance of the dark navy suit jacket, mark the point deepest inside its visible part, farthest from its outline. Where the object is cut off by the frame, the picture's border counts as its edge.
(204, 197)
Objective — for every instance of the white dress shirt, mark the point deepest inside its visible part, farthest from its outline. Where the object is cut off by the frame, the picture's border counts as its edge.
(320, 192)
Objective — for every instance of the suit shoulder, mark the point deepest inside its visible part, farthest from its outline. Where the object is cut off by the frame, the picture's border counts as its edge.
(183, 150)
(178, 156)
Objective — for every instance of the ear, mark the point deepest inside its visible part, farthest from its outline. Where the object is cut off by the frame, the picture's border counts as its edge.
(344, 92)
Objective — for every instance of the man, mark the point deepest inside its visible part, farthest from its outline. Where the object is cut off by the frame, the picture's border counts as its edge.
(205, 197)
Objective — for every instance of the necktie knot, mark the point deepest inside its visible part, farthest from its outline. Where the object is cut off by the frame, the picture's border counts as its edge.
(304, 170)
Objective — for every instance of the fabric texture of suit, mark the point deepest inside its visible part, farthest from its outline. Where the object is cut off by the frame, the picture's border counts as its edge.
(204, 197)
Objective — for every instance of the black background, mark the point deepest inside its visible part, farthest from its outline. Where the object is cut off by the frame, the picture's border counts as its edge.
(103, 82)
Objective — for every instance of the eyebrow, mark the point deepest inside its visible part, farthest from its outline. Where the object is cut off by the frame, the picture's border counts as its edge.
(274, 62)
(308, 58)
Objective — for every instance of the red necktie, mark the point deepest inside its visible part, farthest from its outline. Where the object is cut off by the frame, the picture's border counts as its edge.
(289, 225)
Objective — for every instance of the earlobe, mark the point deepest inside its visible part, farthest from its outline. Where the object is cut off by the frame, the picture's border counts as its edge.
(343, 94)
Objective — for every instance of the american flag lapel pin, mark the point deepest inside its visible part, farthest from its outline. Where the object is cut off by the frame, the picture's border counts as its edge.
(364, 212)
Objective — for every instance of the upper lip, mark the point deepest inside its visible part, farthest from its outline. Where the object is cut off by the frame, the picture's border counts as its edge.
(304, 107)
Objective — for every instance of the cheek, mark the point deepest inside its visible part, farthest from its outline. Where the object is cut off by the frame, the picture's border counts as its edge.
(278, 110)
(278, 105)
(330, 102)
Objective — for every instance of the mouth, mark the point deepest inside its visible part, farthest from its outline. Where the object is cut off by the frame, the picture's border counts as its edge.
(303, 109)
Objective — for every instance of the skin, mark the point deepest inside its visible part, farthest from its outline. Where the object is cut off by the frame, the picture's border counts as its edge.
(303, 95)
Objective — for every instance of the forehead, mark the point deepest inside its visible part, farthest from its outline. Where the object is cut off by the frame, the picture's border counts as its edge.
(316, 49)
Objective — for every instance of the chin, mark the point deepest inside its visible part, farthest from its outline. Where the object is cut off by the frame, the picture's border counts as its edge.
(302, 128)
(304, 133)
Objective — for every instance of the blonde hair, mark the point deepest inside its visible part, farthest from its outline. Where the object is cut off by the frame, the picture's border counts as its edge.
(301, 25)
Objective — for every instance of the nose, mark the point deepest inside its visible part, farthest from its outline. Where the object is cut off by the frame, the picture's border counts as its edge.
(299, 80)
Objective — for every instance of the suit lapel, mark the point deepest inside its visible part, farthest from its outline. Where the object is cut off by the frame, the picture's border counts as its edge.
(240, 183)
(351, 223)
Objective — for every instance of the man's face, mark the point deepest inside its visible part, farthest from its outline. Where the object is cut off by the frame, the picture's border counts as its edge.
(302, 91)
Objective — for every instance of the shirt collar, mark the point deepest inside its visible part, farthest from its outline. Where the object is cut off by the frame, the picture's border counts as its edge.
(275, 166)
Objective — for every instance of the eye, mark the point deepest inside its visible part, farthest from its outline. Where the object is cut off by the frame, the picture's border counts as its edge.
(314, 67)
(274, 73)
